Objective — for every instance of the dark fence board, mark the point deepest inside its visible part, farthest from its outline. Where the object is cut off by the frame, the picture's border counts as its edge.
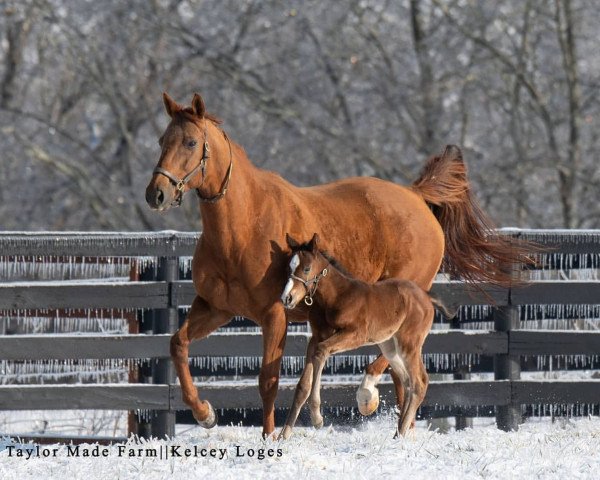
(98, 397)
(548, 342)
(63, 347)
(240, 395)
(556, 391)
(451, 293)
(172, 243)
(99, 244)
(455, 393)
(557, 292)
(83, 294)
(455, 293)
(559, 241)
(466, 341)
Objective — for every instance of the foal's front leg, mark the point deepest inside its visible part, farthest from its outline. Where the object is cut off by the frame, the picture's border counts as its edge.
(302, 390)
(340, 341)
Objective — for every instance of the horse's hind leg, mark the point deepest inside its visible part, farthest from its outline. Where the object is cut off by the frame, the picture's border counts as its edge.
(200, 322)
(302, 390)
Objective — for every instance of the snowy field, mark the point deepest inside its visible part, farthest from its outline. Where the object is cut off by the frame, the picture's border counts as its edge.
(541, 449)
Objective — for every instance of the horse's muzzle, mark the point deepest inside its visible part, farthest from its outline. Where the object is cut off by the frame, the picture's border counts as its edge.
(155, 197)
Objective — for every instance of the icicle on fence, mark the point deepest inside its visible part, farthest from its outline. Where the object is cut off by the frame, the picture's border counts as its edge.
(36, 268)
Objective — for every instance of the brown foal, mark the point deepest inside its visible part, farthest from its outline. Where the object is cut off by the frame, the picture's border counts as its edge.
(347, 313)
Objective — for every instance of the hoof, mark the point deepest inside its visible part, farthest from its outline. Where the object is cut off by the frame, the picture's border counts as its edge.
(318, 423)
(211, 420)
(285, 433)
(367, 400)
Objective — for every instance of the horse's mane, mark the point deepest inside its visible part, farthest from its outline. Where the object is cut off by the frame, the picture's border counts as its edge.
(330, 258)
(189, 114)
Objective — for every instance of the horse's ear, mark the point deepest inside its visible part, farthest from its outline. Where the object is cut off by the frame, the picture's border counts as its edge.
(293, 244)
(314, 242)
(198, 106)
(171, 106)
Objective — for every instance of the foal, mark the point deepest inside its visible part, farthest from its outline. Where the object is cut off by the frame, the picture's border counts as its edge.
(348, 313)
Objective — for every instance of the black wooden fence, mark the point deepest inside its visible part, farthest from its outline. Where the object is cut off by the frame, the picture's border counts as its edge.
(506, 343)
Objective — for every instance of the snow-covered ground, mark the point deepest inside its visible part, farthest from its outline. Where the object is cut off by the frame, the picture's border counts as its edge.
(541, 449)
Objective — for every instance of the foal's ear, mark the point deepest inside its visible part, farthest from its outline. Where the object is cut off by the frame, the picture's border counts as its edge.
(314, 242)
(293, 244)
(171, 106)
(198, 106)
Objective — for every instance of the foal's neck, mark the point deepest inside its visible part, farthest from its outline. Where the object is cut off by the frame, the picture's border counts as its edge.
(334, 284)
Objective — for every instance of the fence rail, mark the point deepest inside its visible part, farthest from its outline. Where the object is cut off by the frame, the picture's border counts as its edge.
(168, 293)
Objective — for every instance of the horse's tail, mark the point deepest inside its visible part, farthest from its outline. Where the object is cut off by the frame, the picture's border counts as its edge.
(474, 251)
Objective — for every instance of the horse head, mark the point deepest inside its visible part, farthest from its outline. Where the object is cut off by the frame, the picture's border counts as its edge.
(193, 150)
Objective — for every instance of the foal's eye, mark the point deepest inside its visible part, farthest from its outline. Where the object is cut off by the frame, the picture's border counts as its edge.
(306, 269)
(191, 143)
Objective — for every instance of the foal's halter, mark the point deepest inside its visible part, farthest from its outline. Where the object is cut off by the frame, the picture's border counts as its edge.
(181, 183)
(310, 285)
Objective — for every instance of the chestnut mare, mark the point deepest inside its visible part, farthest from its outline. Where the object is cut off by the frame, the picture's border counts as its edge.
(376, 228)
(396, 315)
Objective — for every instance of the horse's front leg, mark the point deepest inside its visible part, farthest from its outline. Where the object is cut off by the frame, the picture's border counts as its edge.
(274, 329)
(200, 322)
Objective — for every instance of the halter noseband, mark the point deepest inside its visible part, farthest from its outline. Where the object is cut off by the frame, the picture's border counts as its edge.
(181, 183)
(310, 285)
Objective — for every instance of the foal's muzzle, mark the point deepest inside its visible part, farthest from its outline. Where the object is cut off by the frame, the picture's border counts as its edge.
(288, 301)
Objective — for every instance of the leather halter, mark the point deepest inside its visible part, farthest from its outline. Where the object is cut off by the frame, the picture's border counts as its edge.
(310, 285)
(181, 183)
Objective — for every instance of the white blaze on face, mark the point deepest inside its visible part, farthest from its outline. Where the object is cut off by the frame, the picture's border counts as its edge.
(294, 262)
(286, 291)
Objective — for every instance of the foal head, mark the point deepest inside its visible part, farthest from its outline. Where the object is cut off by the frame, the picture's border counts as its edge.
(307, 267)
(184, 153)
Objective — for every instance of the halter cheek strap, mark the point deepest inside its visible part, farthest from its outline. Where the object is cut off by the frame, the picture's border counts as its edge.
(310, 285)
(181, 183)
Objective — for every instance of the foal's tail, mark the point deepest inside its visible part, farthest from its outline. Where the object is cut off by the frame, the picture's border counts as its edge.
(443, 308)
(474, 251)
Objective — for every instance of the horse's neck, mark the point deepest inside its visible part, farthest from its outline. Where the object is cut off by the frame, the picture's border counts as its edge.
(230, 215)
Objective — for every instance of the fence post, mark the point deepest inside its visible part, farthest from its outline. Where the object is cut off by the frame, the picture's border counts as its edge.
(507, 366)
(462, 373)
(166, 321)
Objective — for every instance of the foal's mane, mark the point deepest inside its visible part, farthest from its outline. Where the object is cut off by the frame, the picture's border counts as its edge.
(332, 260)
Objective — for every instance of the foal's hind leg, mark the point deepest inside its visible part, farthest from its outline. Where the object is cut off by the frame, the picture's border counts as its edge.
(302, 390)
(200, 322)
(419, 382)
(367, 395)
(392, 352)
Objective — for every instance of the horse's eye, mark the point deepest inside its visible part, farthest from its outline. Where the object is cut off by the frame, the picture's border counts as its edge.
(306, 269)
(191, 143)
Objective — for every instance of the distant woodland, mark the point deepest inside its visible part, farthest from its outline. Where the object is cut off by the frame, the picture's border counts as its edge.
(314, 90)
